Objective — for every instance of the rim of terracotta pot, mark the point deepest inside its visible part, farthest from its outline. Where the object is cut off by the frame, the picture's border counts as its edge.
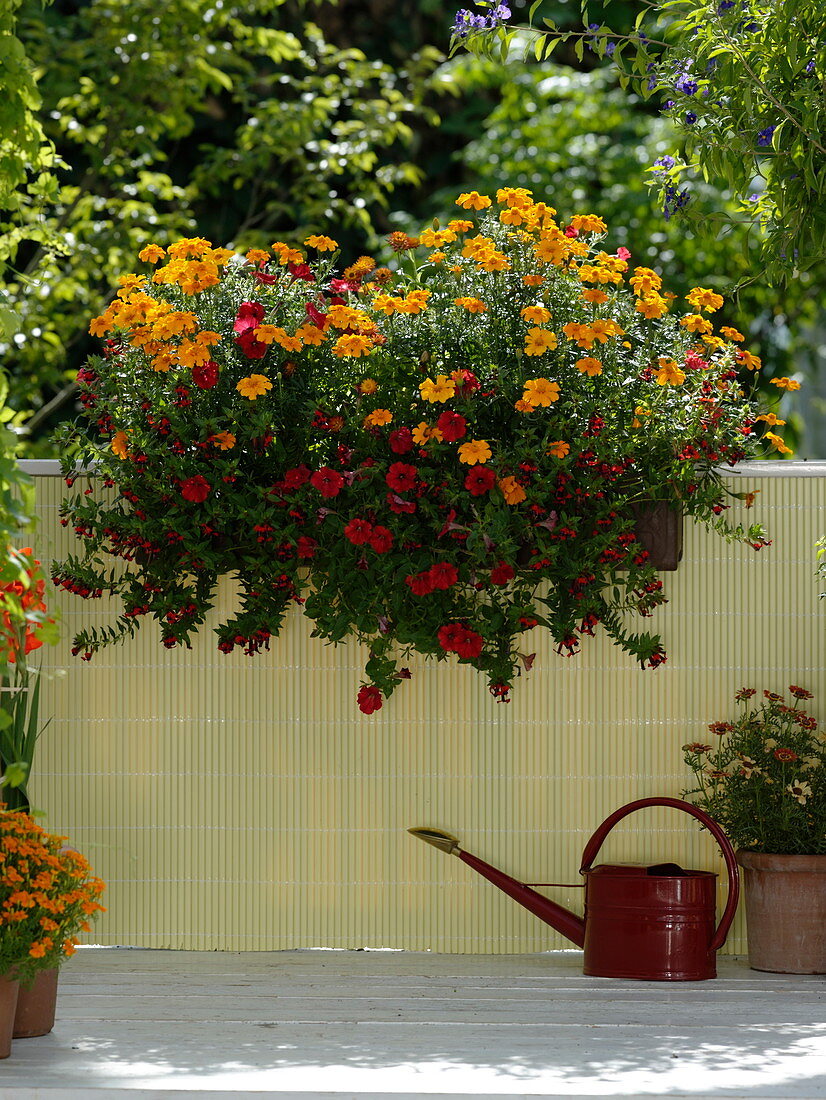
(778, 861)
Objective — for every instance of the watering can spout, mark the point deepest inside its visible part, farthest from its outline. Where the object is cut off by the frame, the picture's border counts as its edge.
(569, 924)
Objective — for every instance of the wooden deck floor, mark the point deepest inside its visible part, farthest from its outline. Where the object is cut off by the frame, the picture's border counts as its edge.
(347, 1024)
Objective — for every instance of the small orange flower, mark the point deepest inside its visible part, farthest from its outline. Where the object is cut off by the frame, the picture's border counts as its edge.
(378, 417)
(512, 491)
(477, 450)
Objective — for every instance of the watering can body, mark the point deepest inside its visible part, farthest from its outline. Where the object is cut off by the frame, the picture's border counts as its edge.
(654, 923)
(650, 923)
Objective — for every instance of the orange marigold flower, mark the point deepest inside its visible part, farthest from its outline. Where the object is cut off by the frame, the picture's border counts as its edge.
(441, 390)
(588, 223)
(472, 200)
(539, 340)
(652, 306)
(695, 323)
(151, 254)
(704, 299)
(523, 406)
(257, 256)
(224, 441)
(352, 346)
(512, 491)
(535, 315)
(254, 386)
(472, 305)
(594, 296)
(589, 366)
(477, 450)
(732, 334)
(559, 448)
(321, 244)
(423, 432)
(785, 383)
(378, 417)
(539, 391)
(533, 280)
(120, 445)
(367, 385)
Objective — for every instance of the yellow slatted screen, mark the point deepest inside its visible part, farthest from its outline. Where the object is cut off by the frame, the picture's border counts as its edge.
(245, 803)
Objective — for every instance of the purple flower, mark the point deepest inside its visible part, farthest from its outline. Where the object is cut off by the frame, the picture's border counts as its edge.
(685, 84)
(674, 200)
(764, 137)
(724, 5)
(609, 49)
(690, 118)
(810, 68)
(465, 22)
(664, 163)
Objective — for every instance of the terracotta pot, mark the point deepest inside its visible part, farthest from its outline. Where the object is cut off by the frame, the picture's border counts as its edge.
(8, 1005)
(36, 1006)
(785, 912)
(659, 530)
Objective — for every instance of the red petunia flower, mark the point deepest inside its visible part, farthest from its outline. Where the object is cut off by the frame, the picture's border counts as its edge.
(296, 477)
(318, 318)
(502, 573)
(401, 477)
(419, 584)
(455, 638)
(306, 547)
(369, 699)
(252, 348)
(196, 489)
(480, 479)
(358, 531)
(205, 375)
(471, 645)
(249, 316)
(443, 574)
(381, 539)
(301, 271)
(328, 482)
(452, 426)
(450, 635)
(401, 441)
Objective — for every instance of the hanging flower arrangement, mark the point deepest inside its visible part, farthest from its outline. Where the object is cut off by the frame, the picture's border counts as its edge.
(438, 458)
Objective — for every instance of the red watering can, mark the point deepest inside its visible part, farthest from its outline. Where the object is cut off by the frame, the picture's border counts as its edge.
(655, 923)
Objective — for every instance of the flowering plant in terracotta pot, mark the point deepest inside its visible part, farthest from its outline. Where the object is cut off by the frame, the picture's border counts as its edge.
(764, 778)
(436, 458)
(47, 896)
(764, 781)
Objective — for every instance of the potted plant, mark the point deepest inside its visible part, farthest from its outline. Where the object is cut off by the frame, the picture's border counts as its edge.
(47, 896)
(436, 457)
(764, 780)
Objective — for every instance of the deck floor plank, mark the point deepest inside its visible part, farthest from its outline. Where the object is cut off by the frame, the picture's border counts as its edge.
(376, 1025)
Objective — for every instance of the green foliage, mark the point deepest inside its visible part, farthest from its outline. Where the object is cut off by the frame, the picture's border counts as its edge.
(24, 149)
(743, 81)
(764, 779)
(237, 121)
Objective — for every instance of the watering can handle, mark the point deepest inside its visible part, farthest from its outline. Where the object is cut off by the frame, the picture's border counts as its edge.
(595, 843)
